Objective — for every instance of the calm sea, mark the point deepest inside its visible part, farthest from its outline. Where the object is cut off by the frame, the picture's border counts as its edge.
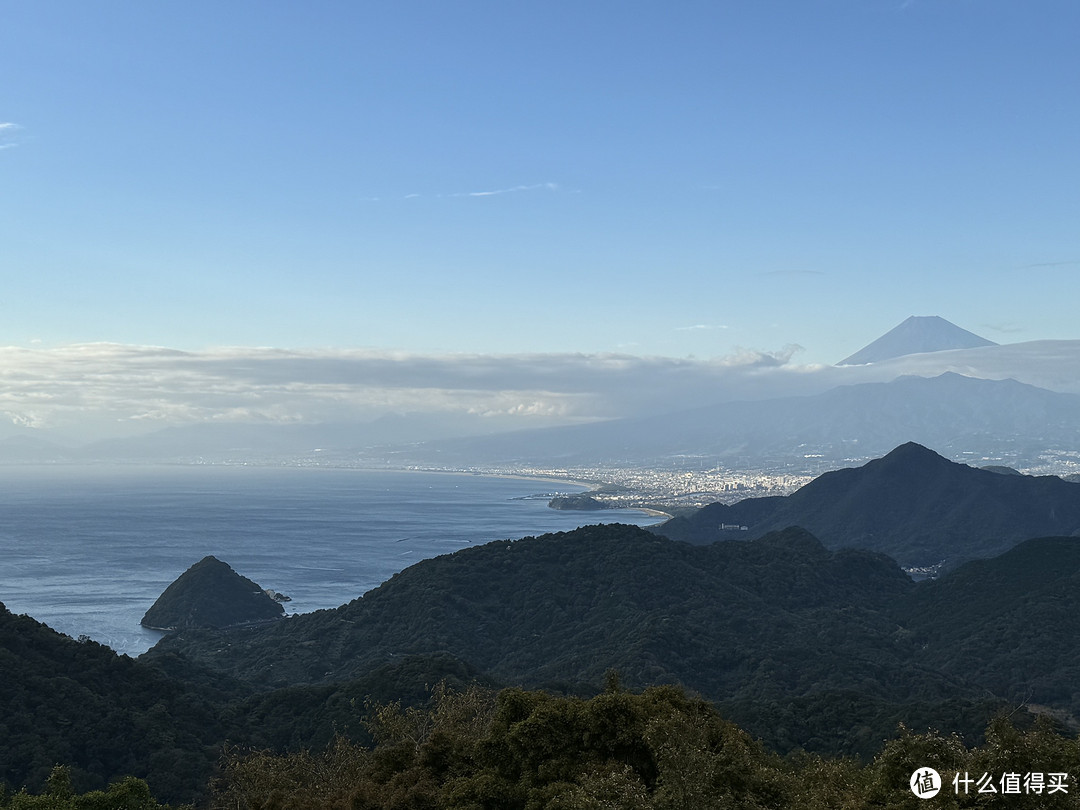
(87, 550)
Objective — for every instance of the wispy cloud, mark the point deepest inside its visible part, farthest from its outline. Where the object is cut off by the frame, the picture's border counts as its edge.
(757, 359)
(551, 187)
(8, 134)
(793, 273)
(1007, 328)
(701, 327)
(511, 190)
(1040, 265)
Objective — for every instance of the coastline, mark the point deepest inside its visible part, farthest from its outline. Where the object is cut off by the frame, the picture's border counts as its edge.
(653, 512)
(549, 479)
(324, 545)
(588, 486)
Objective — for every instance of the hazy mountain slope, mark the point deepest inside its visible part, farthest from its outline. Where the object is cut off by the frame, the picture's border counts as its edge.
(951, 412)
(22, 449)
(1050, 364)
(916, 335)
(257, 440)
(913, 505)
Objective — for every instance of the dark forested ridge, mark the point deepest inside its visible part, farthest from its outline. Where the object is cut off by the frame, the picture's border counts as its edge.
(566, 607)
(105, 716)
(912, 504)
(1006, 623)
(824, 650)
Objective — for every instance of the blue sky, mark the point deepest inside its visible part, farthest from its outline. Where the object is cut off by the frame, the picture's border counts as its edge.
(684, 179)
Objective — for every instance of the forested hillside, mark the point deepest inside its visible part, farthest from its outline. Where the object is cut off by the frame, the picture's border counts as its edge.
(657, 750)
(563, 608)
(660, 749)
(805, 647)
(104, 715)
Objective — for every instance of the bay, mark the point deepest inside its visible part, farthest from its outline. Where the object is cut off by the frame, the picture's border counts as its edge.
(87, 550)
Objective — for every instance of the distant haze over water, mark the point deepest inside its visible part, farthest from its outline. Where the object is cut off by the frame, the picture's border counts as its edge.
(87, 550)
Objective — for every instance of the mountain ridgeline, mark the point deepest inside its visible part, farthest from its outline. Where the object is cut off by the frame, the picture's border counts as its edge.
(797, 643)
(564, 608)
(913, 505)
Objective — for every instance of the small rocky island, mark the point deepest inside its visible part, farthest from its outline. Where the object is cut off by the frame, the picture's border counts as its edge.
(211, 594)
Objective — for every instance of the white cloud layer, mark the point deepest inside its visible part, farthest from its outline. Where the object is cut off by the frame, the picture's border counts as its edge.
(102, 385)
(91, 391)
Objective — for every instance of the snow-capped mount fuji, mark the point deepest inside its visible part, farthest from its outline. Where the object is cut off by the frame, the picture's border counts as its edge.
(916, 335)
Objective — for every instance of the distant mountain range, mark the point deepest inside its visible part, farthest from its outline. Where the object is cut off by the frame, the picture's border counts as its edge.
(1002, 419)
(258, 441)
(916, 335)
(958, 413)
(917, 507)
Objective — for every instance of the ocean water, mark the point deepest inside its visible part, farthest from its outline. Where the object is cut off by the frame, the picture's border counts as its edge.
(87, 550)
